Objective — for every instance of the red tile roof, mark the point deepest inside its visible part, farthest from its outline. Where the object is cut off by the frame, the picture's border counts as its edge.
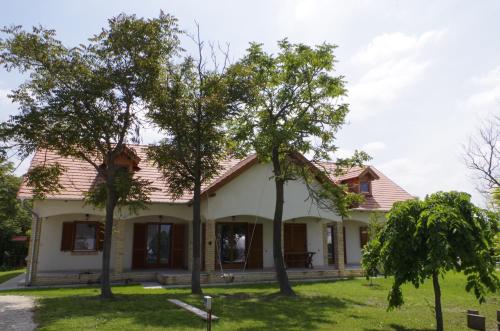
(79, 177)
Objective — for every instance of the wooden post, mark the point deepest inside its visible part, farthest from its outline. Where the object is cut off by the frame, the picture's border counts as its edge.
(476, 321)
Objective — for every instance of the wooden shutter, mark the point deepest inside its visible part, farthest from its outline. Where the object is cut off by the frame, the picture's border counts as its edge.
(254, 249)
(203, 241)
(99, 236)
(139, 246)
(178, 235)
(68, 235)
(363, 236)
(295, 243)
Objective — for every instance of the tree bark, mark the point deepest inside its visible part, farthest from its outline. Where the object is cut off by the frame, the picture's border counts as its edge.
(437, 301)
(111, 200)
(196, 267)
(279, 263)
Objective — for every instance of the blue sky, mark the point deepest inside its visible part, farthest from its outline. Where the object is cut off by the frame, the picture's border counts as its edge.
(421, 75)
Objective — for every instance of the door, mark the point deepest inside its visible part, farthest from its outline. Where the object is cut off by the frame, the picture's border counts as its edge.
(295, 245)
(158, 245)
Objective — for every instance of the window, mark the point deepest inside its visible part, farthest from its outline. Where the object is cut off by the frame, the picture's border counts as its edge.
(158, 245)
(82, 236)
(331, 255)
(364, 187)
(85, 237)
(363, 236)
(231, 243)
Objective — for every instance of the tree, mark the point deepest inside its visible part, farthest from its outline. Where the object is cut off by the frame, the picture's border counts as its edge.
(482, 157)
(425, 239)
(290, 107)
(190, 107)
(14, 220)
(85, 102)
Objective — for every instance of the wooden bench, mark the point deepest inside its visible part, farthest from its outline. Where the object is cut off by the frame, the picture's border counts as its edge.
(299, 259)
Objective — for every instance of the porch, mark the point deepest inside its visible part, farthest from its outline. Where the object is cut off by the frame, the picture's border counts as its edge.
(183, 277)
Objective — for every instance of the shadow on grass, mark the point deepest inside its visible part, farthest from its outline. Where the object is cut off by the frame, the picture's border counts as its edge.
(397, 327)
(242, 311)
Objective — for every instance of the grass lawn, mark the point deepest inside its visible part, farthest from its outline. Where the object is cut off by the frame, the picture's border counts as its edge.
(337, 305)
(6, 275)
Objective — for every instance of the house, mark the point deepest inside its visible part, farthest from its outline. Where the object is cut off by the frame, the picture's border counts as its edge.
(237, 211)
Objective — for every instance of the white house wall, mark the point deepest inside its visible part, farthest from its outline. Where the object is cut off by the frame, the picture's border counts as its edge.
(51, 258)
(253, 193)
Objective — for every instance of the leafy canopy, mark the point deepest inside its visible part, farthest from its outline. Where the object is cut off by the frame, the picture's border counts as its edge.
(293, 104)
(191, 106)
(444, 232)
(86, 101)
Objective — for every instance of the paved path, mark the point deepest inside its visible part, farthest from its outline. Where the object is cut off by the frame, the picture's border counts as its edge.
(16, 313)
(13, 283)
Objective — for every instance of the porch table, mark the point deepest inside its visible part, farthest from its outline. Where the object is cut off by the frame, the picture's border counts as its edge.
(299, 258)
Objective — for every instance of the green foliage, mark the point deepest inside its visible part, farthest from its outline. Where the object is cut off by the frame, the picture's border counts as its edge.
(14, 219)
(44, 179)
(370, 261)
(441, 233)
(190, 106)
(132, 193)
(86, 102)
(292, 104)
(83, 102)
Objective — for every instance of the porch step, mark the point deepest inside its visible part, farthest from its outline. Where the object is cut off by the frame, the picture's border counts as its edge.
(198, 312)
(255, 276)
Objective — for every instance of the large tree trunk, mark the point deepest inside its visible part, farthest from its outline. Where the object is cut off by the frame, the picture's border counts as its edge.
(437, 301)
(279, 264)
(196, 268)
(111, 200)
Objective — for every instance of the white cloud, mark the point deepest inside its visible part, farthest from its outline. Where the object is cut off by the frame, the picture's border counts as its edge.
(373, 147)
(487, 96)
(392, 62)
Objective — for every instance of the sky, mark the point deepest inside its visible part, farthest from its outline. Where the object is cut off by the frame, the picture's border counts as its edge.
(422, 75)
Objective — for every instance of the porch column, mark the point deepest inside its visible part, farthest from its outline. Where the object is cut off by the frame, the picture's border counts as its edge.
(324, 229)
(210, 245)
(33, 249)
(339, 247)
(118, 244)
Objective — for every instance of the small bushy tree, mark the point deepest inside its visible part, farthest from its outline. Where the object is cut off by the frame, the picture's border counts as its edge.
(424, 239)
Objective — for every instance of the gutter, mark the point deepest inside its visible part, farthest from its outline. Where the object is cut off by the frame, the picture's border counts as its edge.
(29, 274)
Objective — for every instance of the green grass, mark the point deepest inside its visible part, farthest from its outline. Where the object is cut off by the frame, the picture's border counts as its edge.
(6, 275)
(337, 305)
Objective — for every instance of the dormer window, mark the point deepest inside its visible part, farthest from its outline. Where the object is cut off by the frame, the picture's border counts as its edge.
(364, 187)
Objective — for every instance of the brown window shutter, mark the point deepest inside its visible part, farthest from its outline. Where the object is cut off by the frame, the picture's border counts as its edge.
(178, 235)
(139, 246)
(68, 234)
(100, 236)
(254, 247)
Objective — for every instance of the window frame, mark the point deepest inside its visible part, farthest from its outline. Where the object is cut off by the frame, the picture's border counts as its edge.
(331, 259)
(369, 182)
(96, 237)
